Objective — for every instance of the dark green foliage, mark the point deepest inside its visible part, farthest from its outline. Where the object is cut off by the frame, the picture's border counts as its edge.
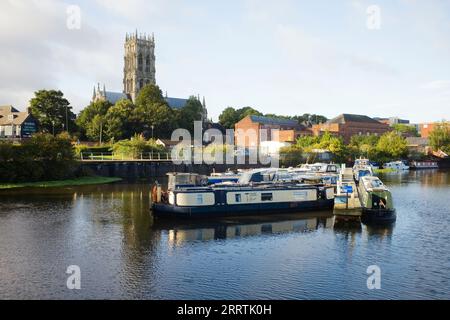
(52, 111)
(42, 157)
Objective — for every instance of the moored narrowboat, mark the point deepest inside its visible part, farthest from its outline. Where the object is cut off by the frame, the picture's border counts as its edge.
(376, 201)
(192, 200)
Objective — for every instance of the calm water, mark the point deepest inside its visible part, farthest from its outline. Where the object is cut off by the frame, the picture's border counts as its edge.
(124, 253)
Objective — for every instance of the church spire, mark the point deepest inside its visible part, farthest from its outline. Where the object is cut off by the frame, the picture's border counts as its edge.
(93, 94)
(204, 103)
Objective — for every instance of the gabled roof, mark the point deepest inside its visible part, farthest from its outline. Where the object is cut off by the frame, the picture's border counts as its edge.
(17, 118)
(7, 109)
(176, 103)
(274, 121)
(345, 117)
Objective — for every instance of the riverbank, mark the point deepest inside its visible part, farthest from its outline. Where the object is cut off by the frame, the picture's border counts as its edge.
(386, 170)
(61, 183)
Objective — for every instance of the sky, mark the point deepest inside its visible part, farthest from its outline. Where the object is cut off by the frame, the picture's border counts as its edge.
(379, 58)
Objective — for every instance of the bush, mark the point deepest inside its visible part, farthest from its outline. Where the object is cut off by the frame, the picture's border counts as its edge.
(82, 148)
(135, 146)
(42, 157)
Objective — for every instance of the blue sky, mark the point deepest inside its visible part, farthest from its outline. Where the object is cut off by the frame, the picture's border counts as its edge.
(285, 57)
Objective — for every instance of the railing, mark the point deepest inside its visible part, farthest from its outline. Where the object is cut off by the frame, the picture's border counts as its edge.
(110, 156)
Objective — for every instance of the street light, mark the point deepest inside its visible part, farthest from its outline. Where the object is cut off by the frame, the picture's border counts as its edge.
(153, 127)
(53, 124)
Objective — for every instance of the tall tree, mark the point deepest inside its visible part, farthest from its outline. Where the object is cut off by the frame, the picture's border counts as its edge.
(191, 112)
(96, 110)
(118, 120)
(149, 94)
(230, 116)
(53, 111)
(391, 146)
(152, 115)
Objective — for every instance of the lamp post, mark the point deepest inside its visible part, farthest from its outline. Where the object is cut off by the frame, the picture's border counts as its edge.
(53, 125)
(153, 127)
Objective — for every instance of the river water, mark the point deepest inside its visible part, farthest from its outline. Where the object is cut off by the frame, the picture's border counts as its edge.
(109, 232)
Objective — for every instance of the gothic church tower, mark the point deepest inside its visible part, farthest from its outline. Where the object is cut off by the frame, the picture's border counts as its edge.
(139, 64)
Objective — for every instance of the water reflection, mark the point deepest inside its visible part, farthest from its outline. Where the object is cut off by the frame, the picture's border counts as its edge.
(125, 253)
(180, 231)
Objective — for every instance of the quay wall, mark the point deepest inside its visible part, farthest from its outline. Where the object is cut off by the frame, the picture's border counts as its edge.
(149, 171)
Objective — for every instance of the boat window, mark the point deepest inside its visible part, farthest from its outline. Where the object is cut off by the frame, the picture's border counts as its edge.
(376, 183)
(237, 197)
(266, 196)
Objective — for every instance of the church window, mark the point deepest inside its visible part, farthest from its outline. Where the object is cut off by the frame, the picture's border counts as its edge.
(140, 62)
(141, 83)
(147, 63)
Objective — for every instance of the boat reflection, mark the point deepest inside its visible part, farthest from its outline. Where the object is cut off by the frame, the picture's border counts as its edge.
(180, 231)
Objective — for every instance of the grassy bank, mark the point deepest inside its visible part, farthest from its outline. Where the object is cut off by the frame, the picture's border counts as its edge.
(60, 183)
(387, 170)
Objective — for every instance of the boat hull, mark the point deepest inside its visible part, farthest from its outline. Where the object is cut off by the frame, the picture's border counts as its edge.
(378, 215)
(167, 210)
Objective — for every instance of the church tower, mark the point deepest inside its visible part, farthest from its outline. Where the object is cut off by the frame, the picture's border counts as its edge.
(139, 63)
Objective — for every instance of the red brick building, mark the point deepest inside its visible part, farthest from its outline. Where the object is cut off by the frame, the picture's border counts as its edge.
(348, 125)
(426, 128)
(252, 130)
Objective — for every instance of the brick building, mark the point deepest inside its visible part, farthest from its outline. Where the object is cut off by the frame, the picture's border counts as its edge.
(426, 128)
(252, 130)
(348, 125)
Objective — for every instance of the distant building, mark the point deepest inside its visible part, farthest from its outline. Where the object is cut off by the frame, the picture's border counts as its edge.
(426, 128)
(264, 129)
(348, 125)
(15, 124)
(392, 121)
(139, 70)
(418, 144)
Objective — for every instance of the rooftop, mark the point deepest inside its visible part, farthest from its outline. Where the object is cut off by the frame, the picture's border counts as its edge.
(113, 97)
(10, 115)
(345, 117)
(176, 103)
(274, 121)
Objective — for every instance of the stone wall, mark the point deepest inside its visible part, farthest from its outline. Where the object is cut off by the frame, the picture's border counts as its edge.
(150, 171)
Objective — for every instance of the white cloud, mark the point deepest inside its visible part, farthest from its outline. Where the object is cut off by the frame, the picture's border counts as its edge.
(437, 84)
(39, 52)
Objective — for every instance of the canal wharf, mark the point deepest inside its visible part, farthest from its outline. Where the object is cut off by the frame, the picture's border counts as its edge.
(347, 204)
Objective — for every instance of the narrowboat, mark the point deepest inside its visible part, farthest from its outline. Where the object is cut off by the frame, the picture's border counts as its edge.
(376, 200)
(418, 165)
(186, 197)
(362, 168)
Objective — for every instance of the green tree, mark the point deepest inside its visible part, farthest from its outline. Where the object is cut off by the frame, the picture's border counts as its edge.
(149, 94)
(118, 120)
(53, 111)
(136, 146)
(191, 112)
(406, 130)
(152, 111)
(440, 137)
(363, 146)
(230, 116)
(391, 146)
(90, 118)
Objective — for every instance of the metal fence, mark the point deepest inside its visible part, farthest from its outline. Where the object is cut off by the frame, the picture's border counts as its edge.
(111, 156)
